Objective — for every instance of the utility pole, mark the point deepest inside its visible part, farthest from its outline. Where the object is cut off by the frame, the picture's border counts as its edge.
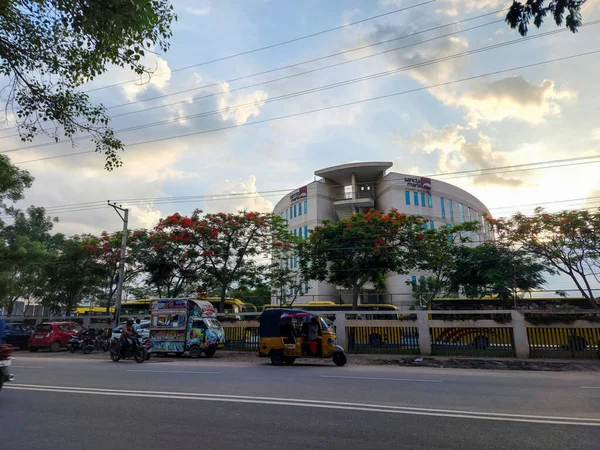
(119, 294)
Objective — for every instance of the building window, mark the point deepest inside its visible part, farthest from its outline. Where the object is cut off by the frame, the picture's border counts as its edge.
(306, 287)
(300, 231)
(286, 214)
(407, 197)
(295, 261)
(295, 211)
(429, 201)
(305, 206)
(451, 210)
(422, 198)
(461, 212)
(291, 291)
(299, 209)
(291, 263)
(305, 232)
(469, 213)
(294, 232)
(416, 198)
(431, 225)
(291, 212)
(443, 207)
(413, 278)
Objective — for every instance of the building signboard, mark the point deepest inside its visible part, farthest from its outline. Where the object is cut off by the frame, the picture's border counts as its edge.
(418, 183)
(299, 194)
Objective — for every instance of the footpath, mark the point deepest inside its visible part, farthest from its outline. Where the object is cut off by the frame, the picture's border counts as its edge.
(442, 362)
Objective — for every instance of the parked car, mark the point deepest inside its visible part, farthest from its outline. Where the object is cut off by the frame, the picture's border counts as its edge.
(143, 329)
(17, 334)
(53, 335)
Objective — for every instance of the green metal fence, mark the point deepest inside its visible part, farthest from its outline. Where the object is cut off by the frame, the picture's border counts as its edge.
(399, 340)
(564, 342)
(458, 341)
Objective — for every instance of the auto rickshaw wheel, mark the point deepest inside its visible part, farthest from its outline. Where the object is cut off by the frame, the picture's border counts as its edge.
(289, 360)
(277, 358)
(339, 359)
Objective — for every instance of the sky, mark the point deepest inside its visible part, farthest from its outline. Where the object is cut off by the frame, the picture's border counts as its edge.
(541, 113)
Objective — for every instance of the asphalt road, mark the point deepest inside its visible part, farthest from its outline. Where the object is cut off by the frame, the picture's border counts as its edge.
(67, 402)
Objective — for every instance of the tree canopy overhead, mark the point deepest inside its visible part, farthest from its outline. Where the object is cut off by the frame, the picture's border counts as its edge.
(49, 48)
(567, 11)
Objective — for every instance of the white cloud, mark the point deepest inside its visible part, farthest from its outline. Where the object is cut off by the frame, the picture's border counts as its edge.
(254, 102)
(250, 200)
(510, 98)
(159, 79)
(456, 151)
(202, 11)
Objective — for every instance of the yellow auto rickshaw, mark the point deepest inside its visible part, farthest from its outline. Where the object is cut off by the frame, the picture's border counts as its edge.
(287, 334)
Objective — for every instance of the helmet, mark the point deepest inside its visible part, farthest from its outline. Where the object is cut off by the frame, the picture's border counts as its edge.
(129, 321)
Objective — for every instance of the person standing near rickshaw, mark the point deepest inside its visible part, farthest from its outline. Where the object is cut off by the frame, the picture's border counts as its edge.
(312, 335)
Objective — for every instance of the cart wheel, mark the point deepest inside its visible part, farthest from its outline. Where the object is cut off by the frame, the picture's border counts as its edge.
(195, 352)
(277, 358)
(289, 360)
(339, 359)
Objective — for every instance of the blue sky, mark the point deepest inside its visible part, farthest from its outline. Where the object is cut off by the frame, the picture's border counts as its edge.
(536, 114)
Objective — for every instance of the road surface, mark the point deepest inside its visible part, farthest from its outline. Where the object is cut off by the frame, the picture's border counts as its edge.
(71, 402)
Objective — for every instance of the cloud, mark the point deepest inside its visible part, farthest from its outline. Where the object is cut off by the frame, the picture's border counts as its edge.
(250, 200)
(454, 8)
(510, 98)
(456, 151)
(159, 79)
(202, 11)
(242, 114)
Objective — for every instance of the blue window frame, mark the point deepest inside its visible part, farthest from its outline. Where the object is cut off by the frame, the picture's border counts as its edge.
(286, 214)
(414, 278)
(429, 201)
(407, 197)
(291, 263)
(295, 261)
(294, 232)
(443, 207)
(305, 206)
(422, 198)
(461, 212)
(291, 291)
(305, 232)
(306, 287)
(451, 208)
(431, 225)
(416, 198)
(299, 209)
(300, 232)
(295, 211)
(291, 212)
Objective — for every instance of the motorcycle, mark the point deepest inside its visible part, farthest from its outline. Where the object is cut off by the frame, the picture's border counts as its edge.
(5, 363)
(74, 344)
(138, 350)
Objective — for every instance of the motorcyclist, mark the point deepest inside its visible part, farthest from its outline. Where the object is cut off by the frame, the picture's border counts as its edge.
(127, 333)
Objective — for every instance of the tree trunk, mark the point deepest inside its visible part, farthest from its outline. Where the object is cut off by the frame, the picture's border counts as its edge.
(355, 292)
(222, 303)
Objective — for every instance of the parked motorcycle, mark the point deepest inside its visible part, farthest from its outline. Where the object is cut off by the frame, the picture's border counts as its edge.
(90, 340)
(138, 350)
(5, 363)
(74, 344)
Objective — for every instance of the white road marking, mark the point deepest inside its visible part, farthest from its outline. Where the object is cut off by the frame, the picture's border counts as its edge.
(590, 387)
(366, 407)
(28, 367)
(168, 371)
(384, 379)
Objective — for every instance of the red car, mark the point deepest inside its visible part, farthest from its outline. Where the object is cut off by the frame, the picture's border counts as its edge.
(53, 335)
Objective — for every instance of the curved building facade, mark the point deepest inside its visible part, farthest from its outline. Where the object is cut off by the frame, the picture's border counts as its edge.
(342, 190)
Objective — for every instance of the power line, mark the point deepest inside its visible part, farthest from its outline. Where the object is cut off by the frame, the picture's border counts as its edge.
(289, 41)
(298, 75)
(315, 60)
(328, 108)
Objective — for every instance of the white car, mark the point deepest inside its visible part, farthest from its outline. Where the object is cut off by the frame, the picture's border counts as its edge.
(143, 329)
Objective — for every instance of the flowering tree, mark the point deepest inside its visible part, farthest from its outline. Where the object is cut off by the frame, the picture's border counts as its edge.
(226, 248)
(568, 241)
(165, 259)
(361, 249)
